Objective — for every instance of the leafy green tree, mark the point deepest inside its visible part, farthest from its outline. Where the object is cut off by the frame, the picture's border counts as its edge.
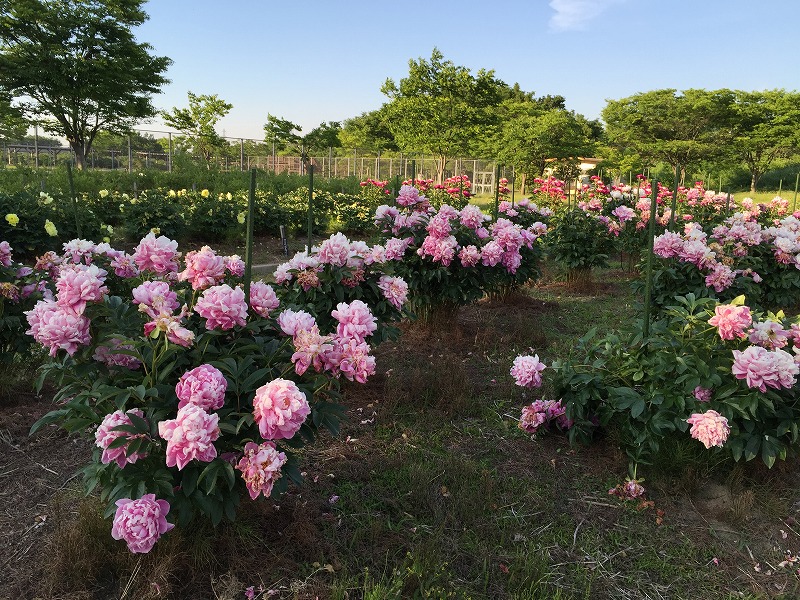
(441, 108)
(76, 67)
(282, 134)
(12, 123)
(766, 127)
(369, 131)
(197, 123)
(683, 128)
(323, 137)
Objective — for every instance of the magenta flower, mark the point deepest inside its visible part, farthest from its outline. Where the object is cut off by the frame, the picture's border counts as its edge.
(223, 307)
(702, 394)
(190, 436)
(263, 298)
(157, 254)
(292, 322)
(394, 289)
(472, 217)
(709, 427)
(204, 268)
(203, 386)
(79, 285)
(668, 244)
(491, 254)
(280, 408)
(527, 371)
(56, 328)
(762, 368)
(350, 358)
(155, 298)
(5, 254)
(440, 249)
(731, 320)
(261, 467)
(356, 321)
(124, 266)
(141, 522)
(106, 434)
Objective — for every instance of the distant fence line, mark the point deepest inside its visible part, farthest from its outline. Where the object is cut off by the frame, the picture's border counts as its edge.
(336, 164)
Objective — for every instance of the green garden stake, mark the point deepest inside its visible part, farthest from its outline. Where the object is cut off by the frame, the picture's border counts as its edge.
(414, 173)
(729, 201)
(674, 200)
(310, 204)
(796, 181)
(720, 184)
(780, 187)
(648, 290)
(251, 209)
(497, 192)
(513, 184)
(74, 200)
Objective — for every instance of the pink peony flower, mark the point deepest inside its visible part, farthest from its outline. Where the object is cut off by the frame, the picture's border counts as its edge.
(141, 522)
(204, 268)
(335, 250)
(731, 320)
(710, 427)
(394, 289)
(155, 297)
(190, 436)
(702, 394)
(106, 434)
(263, 298)
(235, 265)
(280, 408)
(472, 216)
(762, 368)
(720, 278)
(769, 334)
(261, 467)
(470, 256)
(57, 328)
(355, 320)
(308, 279)
(78, 250)
(5, 254)
(310, 347)
(527, 371)
(351, 358)
(291, 321)
(157, 254)
(223, 307)
(441, 250)
(396, 248)
(124, 266)
(203, 386)
(668, 245)
(105, 353)
(79, 285)
(491, 254)
(171, 326)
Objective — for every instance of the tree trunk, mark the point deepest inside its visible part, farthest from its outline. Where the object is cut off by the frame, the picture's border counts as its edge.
(440, 163)
(522, 184)
(754, 177)
(80, 154)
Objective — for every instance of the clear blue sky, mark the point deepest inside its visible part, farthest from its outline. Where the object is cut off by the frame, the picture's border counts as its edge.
(325, 60)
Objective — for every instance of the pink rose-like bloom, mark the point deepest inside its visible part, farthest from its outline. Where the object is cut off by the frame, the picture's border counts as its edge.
(171, 326)
(78, 250)
(668, 245)
(124, 266)
(441, 250)
(762, 368)
(491, 254)
(408, 196)
(702, 394)
(709, 427)
(472, 216)
(106, 434)
(141, 522)
(261, 467)
(396, 248)
(356, 321)
(5, 254)
(105, 353)
(291, 321)
(78, 285)
(394, 289)
(310, 347)
(157, 254)
(470, 256)
(235, 265)
(439, 226)
(308, 279)
(204, 268)
(190, 436)
(263, 298)
(223, 307)
(731, 320)
(56, 328)
(527, 371)
(203, 386)
(155, 297)
(624, 213)
(335, 250)
(351, 358)
(769, 335)
(721, 277)
(280, 408)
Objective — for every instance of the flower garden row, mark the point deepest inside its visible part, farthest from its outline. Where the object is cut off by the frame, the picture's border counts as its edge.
(184, 374)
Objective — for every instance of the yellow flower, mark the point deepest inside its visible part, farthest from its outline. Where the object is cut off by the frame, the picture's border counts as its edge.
(155, 230)
(204, 193)
(103, 193)
(229, 196)
(107, 240)
(241, 217)
(172, 194)
(45, 198)
(50, 228)
(12, 219)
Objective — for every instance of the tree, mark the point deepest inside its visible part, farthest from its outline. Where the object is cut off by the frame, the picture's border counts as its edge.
(678, 128)
(441, 108)
(197, 123)
(766, 127)
(12, 124)
(77, 66)
(369, 131)
(282, 133)
(323, 137)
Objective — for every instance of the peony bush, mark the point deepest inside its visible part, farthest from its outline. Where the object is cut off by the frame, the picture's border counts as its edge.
(193, 392)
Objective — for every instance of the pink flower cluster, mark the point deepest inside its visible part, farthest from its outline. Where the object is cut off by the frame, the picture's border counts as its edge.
(710, 427)
(106, 434)
(57, 328)
(5, 254)
(204, 268)
(527, 371)
(223, 307)
(280, 408)
(731, 320)
(541, 413)
(141, 522)
(762, 368)
(109, 354)
(155, 298)
(263, 298)
(157, 254)
(78, 285)
(356, 321)
(394, 289)
(203, 386)
(191, 435)
(261, 467)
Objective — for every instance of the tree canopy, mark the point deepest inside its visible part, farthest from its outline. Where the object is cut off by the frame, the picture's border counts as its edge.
(76, 66)
(282, 133)
(197, 123)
